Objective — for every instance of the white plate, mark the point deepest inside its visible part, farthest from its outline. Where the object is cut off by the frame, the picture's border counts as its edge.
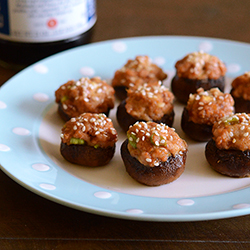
(30, 137)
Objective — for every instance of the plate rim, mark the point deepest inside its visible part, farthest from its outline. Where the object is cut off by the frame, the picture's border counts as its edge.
(117, 214)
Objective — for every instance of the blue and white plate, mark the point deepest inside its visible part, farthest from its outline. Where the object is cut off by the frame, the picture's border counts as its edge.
(30, 137)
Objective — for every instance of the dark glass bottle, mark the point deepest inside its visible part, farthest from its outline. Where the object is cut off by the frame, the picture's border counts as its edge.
(32, 30)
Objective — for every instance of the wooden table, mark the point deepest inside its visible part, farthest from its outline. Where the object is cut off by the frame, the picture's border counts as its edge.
(31, 222)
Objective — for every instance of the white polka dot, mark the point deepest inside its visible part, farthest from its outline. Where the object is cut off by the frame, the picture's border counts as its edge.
(134, 211)
(87, 71)
(119, 47)
(206, 46)
(40, 68)
(159, 61)
(233, 68)
(40, 167)
(41, 97)
(21, 131)
(47, 186)
(185, 202)
(241, 206)
(102, 195)
(4, 148)
(3, 105)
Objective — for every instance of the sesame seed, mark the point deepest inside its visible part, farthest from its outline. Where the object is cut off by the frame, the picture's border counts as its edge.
(65, 106)
(200, 108)
(148, 160)
(75, 127)
(234, 140)
(246, 134)
(162, 141)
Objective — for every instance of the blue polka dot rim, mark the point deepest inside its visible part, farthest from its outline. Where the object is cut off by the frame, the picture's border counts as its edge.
(30, 137)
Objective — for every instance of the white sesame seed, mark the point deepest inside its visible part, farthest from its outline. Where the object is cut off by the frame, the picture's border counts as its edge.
(148, 160)
(162, 141)
(75, 127)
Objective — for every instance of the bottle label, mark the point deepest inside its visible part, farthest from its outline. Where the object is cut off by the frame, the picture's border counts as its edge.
(45, 20)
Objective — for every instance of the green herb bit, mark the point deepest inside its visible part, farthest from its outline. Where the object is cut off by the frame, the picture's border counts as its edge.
(77, 141)
(64, 98)
(96, 146)
(132, 140)
(231, 120)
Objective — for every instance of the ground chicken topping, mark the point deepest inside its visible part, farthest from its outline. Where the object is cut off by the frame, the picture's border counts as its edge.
(233, 132)
(241, 86)
(141, 69)
(86, 95)
(151, 143)
(207, 107)
(149, 101)
(200, 65)
(92, 129)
